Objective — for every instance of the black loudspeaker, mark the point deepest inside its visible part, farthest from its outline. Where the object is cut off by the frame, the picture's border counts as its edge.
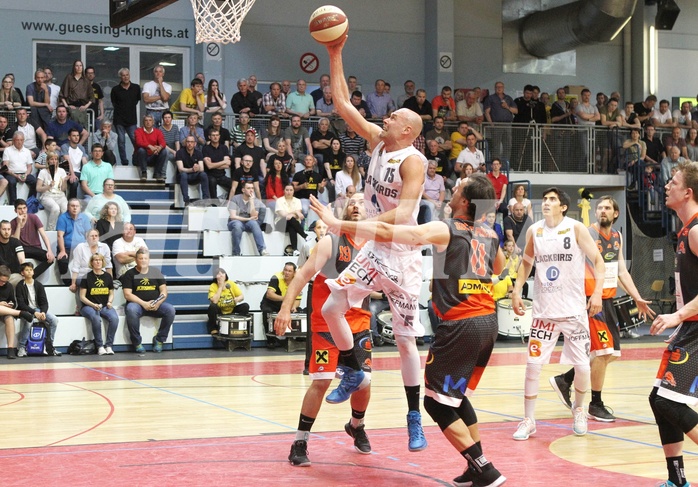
(667, 12)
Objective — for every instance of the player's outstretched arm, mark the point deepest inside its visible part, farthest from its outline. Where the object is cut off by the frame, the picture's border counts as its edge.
(626, 281)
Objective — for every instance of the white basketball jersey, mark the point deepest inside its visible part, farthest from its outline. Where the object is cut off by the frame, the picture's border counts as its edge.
(384, 183)
(559, 281)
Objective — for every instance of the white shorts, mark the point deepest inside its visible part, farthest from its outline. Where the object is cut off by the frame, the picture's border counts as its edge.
(397, 274)
(544, 335)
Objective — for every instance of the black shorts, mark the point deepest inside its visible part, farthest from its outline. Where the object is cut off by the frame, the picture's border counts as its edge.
(458, 357)
(677, 377)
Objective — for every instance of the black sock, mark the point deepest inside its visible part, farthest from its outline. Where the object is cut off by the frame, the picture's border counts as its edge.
(305, 423)
(347, 357)
(596, 397)
(674, 466)
(412, 393)
(476, 460)
(357, 414)
(569, 376)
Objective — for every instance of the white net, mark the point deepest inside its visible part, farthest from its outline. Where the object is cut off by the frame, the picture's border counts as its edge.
(219, 20)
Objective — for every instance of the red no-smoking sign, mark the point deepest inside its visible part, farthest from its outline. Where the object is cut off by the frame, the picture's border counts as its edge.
(309, 62)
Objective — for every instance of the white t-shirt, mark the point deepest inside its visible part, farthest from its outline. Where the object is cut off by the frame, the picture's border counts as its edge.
(120, 245)
(56, 182)
(153, 89)
(662, 117)
(17, 160)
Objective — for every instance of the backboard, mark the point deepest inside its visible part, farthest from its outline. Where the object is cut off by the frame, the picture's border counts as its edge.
(123, 12)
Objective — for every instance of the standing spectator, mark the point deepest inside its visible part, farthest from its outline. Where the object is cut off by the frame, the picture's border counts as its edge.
(77, 93)
(97, 298)
(246, 213)
(190, 164)
(500, 109)
(409, 93)
(96, 204)
(11, 251)
(156, 95)
(54, 89)
(275, 182)
(444, 105)
(420, 105)
(60, 128)
(18, 162)
(645, 110)
(433, 195)
(299, 102)
(682, 118)
(28, 229)
(150, 150)
(39, 100)
(655, 148)
(215, 101)
(191, 100)
(71, 227)
(379, 102)
(194, 129)
(289, 217)
(635, 153)
(469, 109)
(244, 101)
(298, 139)
(32, 301)
(217, 162)
(24, 127)
(97, 104)
(124, 250)
(110, 224)
(588, 115)
(145, 290)
(51, 185)
(226, 299)
(74, 157)
(108, 140)
(272, 299)
(662, 118)
(94, 173)
(125, 98)
(274, 102)
(499, 181)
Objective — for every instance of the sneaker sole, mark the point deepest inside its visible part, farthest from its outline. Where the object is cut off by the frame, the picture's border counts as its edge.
(348, 431)
(420, 448)
(560, 395)
(497, 482)
(526, 438)
(306, 464)
(603, 420)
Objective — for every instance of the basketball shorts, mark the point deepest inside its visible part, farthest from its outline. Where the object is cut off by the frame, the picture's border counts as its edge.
(397, 274)
(544, 335)
(603, 331)
(325, 355)
(677, 376)
(458, 357)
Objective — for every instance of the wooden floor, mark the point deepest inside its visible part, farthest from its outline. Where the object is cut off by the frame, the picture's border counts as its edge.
(231, 417)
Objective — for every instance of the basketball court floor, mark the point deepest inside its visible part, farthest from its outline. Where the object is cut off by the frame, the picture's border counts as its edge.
(217, 417)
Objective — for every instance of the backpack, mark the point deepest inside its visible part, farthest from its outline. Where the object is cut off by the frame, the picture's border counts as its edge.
(82, 347)
(37, 338)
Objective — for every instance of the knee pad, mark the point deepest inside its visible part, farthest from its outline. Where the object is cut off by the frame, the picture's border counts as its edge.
(467, 413)
(442, 415)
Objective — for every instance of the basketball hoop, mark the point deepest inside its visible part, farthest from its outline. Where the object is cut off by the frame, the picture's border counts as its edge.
(219, 20)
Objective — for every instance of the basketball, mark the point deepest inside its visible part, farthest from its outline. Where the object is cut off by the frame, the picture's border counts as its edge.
(328, 24)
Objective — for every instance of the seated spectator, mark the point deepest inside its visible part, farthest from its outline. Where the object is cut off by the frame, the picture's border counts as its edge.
(519, 196)
(11, 251)
(250, 148)
(151, 149)
(124, 250)
(71, 229)
(75, 156)
(171, 133)
(324, 107)
(289, 217)
(28, 229)
(465, 172)
(275, 182)
(358, 102)
(32, 304)
(630, 118)
(95, 172)
(244, 101)
(675, 139)
(192, 128)
(8, 311)
(271, 136)
(333, 163)
(190, 164)
(380, 102)
(6, 134)
(348, 176)
(516, 225)
(285, 157)
(299, 102)
(490, 222)
(217, 162)
(441, 135)
(673, 159)
(18, 163)
(433, 195)
(470, 153)
(110, 224)
(271, 302)
(80, 257)
(23, 126)
(308, 182)
(226, 299)
(353, 143)
(469, 109)
(60, 128)
(252, 87)
(96, 204)
(145, 290)
(459, 142)
(444, 105)
(97, 298)
(108, 140)
(240, 130)
(274, 102)
(9, 98)
(49, 146)
(663, 117)
(39, 100)
(51, 186)
(655, 148)
(246, 213)
(245, 174)
(191, 100)
(420, 105)
(215, 101)
(225, 138)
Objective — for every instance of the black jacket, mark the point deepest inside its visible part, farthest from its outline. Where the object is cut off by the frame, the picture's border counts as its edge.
(22, 294)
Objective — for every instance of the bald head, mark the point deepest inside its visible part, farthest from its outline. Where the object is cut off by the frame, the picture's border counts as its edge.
(411, 120)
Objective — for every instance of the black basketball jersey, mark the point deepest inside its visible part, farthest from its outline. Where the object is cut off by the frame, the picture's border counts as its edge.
(686, 268)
